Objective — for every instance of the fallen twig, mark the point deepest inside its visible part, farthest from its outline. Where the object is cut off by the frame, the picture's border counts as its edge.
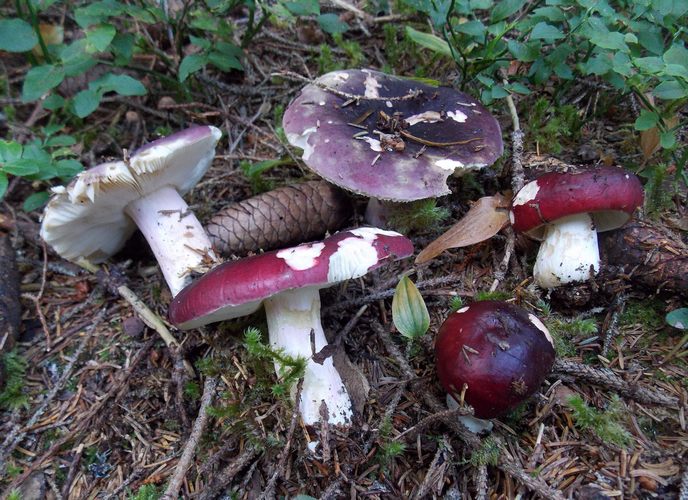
(184, 463)
(227, 474)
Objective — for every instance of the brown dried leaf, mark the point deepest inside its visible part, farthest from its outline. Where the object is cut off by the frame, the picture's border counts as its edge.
(486, 218)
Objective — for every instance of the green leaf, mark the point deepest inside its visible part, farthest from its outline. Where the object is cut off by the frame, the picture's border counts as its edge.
(504, 9)
(191, 64)
(122, 84)
(66, 169)
(10, 151)
(75, 59)
(429, 41)
(678, 318)
(224, 61)
(612, 40)
(16, 35)
(473, 28)
(677, 54)
(303, 7)
(53, 102)
(36, 200)
(524, 52)
(99, 37)
(598, 65)
(86, 102)
(547, 32)
(41, 79)
(646, 120)
(60, 140)
(203, 43)
(650, 37)
(667, 140)
(409, 312)
(4, 182)
(651, 65)
(330, 23)
(21, 167)
(123, 48)
(554, 14)
(670, 90)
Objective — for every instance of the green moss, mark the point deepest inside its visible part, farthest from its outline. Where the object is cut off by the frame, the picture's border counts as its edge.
(12, 396)
(549, 124)
(456, 303)
(418, 216)
(647, 313)
(564, 332)
(487, 454)
(145, 492)
(496, 295)
(605, 424)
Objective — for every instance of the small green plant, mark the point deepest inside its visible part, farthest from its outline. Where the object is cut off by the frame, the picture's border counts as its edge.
(418, 216)
(409, 312)
(605, 424)
(657, 196)
(15, 495)
(456, 303)
(145, 492)
(291, 368)
(192, 390)
(548, 124)
(565, 330)
(487, 454)
(255, 172)
(649, 314)
(487, 295)
(13, 396)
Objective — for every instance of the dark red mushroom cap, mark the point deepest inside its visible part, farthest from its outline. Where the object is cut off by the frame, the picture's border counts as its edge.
(237, 288)
(502, 352)
(609, 194)
(433, 131)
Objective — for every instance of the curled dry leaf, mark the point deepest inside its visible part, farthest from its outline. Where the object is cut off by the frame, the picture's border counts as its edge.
(281, 217)
(485, 218)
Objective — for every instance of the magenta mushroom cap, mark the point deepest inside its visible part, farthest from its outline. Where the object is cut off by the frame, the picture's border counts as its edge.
(609, 195)
(237, 288)
(433, 132)
(500, 351)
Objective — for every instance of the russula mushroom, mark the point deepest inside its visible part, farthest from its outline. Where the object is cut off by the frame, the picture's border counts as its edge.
(565, 211)
(288, 283)
(390, 138)
(97, 212)
(498, 351)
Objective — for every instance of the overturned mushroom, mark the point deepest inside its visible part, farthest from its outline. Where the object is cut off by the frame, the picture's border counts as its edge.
(288, 283)
(97, 212)
(565, 211)
(493, 353)
(388, 137)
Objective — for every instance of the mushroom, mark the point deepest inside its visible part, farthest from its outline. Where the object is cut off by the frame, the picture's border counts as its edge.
(97, 212)
(493, 353)
(565, 211)
(389, 138)
(288, 283)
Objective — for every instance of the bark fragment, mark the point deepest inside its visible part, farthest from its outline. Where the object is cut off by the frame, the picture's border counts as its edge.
(278, 218)
(10, 312)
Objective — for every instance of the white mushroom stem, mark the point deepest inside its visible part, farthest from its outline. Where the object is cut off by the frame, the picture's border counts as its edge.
(568, 253)
(294, 326)
(174, 234)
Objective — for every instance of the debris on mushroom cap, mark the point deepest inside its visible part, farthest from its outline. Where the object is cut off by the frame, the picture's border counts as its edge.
(609, 194)
(388, 137)
(500, 351)
(86, 219)
(237, 288)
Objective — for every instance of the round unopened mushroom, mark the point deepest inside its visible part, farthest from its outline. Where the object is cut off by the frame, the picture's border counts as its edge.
(387, 137)
(288, 283)
(565, 211)
(493, 353)
(97, 212)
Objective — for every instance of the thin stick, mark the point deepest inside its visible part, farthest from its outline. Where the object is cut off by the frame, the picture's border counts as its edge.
(184, 463)
(683, 495)
(227, 474)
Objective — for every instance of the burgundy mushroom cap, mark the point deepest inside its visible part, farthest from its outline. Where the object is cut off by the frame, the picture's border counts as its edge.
(500, 351)
(237, 288)
(388, 137)
(609, 194)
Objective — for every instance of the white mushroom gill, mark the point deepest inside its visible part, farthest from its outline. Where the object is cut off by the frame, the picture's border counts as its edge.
(302, 257)
(568, 252)
(294, 325)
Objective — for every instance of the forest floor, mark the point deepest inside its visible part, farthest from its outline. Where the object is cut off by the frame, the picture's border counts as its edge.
(109, 408)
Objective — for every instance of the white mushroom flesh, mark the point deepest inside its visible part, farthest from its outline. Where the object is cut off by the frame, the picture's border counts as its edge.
(173, 232)
(294, 326)
(568, 252)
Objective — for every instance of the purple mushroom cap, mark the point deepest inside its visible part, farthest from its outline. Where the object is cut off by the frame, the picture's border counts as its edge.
(389, 137)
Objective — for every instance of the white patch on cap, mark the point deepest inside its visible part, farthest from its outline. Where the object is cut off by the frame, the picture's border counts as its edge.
(57, 189)
(322, 103)
(302, 257)
(463, 309)
(389, 105)
(371, 87)
(540, 326)
(352, 260)
(371, 233)
(374, 143)
(457, 116)
(465, 103)
(512, 217)
(426, 117)
(448, 164)
(301, 141)
(526, 194)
